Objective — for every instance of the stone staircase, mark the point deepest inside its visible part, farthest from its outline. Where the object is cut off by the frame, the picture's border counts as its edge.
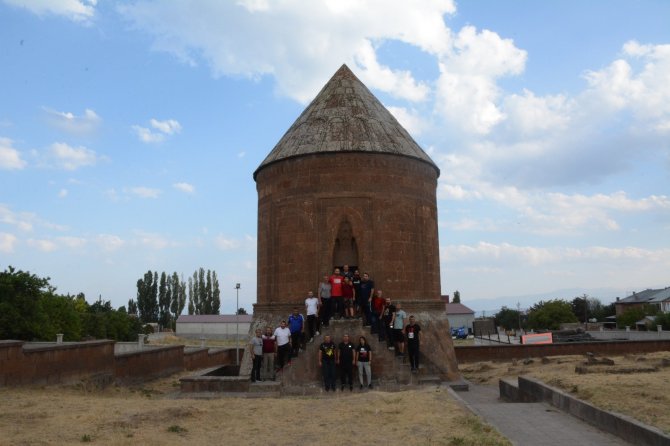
(389, 372)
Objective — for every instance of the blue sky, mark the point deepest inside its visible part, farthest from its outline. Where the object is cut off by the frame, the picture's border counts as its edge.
(129, 133)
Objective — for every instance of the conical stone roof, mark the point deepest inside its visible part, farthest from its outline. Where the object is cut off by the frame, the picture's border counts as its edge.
(345, 117)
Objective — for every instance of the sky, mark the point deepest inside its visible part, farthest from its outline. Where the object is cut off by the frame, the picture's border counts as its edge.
(129, 132)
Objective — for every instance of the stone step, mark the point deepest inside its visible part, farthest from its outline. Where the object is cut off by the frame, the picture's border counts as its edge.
(429, 379)
(459, 386)
(264, 386)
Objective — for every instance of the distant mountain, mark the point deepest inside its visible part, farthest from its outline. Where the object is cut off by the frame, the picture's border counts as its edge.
(488, 307)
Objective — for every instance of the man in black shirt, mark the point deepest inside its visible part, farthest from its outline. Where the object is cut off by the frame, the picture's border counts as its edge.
(413, 336)
(386, 329)
(345, 358)
(327, 356)
(364, 297)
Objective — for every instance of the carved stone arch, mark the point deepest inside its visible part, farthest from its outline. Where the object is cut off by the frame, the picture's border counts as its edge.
(345, 246)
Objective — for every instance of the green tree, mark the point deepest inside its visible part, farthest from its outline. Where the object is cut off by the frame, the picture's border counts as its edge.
(663, 319)
(20, 311)
(216, 294)
(163, 302)
(241, 311)
(191, 295)
(457, 297)
(550, 315)
(60, 316)
(147, 297)
(132, 307)
(630, 317)
(208, 293)
(508, 318)
(202, 292)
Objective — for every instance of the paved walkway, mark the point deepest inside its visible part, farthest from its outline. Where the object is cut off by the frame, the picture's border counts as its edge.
(532, 424)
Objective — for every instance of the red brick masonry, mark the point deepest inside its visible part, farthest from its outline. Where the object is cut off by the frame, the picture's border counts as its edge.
(21, 364)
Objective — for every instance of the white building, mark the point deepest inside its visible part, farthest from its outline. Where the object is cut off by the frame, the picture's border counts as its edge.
(213, 326)
(460, 316)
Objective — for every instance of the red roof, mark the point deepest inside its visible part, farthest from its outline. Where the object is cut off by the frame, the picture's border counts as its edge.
(458, 309)
(213, 318)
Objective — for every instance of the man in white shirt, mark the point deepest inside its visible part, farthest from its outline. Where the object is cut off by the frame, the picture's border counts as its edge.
(283, 336)
(312, 310)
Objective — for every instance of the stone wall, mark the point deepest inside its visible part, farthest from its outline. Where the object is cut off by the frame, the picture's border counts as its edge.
(24, 363)
(389, 203)
(507, 352)
(56, 364)
(148, 364)
(201, 358)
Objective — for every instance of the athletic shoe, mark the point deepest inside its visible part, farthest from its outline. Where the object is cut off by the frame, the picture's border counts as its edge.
(370, 386)
(317, 333)
(391, 348)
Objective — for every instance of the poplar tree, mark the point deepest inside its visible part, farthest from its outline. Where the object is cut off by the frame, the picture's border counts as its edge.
(191, 304)
(216, 294)
(163, 302)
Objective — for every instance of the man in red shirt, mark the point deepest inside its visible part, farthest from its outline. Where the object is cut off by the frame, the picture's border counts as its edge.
(336, 281)
(377, 308)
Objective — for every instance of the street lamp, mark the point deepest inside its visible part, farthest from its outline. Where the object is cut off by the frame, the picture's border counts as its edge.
(237, 325)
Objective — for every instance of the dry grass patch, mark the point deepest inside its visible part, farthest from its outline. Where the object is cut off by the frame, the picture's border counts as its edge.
(152, 415)
(636, 385)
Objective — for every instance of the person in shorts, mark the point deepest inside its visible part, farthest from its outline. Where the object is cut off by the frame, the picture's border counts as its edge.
(348, 295)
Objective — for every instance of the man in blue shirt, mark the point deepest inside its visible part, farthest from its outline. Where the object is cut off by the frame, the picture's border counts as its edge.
(296, 323)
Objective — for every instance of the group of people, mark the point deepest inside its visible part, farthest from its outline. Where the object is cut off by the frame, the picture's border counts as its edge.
(342, 295)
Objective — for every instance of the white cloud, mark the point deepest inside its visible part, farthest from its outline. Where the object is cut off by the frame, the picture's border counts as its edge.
(85, 124)
(301, 43)
(225, 243)
(145, 192)
(184, 187)
(10, 158)
(72, 158)
(75, 10)
(72, 242)
(411, 120)
(467, 93)
(62, 193)
(42, 245)
(7, 242)
(169, 126)
(109, 242)
(241, 154)
(23, 220)
(152, 240)
(147, 136)
(506, 253)
(164, 129)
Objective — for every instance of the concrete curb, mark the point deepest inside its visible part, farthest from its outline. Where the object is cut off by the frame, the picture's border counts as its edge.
(624, 427)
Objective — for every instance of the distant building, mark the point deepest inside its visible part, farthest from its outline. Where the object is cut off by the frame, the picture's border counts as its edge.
(460, 316)
(659, 298)
(213, 326)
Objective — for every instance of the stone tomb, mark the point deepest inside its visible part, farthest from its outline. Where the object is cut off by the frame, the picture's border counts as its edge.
(347, 184)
